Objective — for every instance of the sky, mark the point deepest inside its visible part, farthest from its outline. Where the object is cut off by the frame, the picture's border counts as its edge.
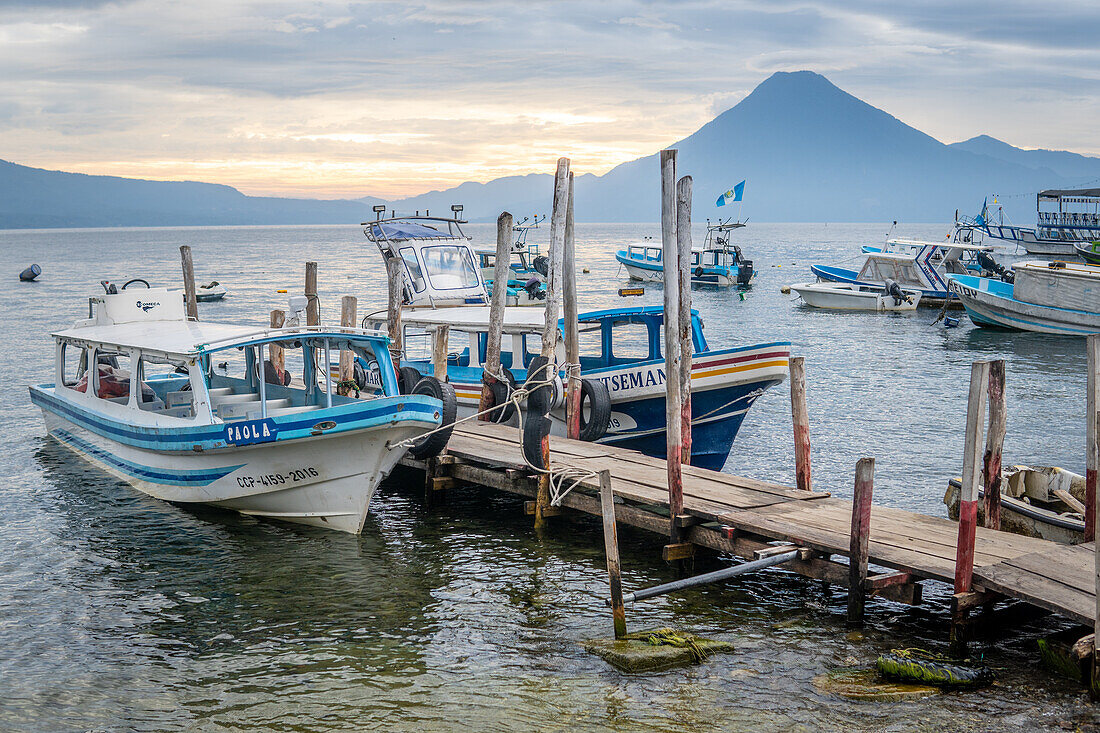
(345, 99)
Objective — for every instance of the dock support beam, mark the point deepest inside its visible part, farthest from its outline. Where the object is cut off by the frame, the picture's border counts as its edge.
(673, 424)
(968, 499)
(860, 540)
(1092, 452)
(994, 442)
(550, 323)
(501, 270)
(611, 548)
(313, 303)
(189, 298)
(683, 261)
(801, 417)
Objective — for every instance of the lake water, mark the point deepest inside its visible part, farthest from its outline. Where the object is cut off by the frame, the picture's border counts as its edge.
(120, 612)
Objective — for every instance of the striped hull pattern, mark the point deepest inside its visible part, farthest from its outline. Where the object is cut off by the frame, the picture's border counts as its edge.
(324, 480)
(654, 273)
(998, 311)
(724, 385)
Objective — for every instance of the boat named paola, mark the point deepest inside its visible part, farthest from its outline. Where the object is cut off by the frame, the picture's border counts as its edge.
(191, 412)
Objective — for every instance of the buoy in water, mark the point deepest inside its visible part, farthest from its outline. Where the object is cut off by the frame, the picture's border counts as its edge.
(786, 290)
(30, 273)
(585, 270)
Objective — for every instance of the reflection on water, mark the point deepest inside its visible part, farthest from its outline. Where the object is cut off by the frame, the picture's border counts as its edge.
(121, 611)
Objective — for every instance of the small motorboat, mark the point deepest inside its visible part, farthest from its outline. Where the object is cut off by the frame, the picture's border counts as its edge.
(210, 292)
(856, 297)
(191, 412)
(1036, 501)
(718, 262)
(30, 273)
(520, 293)
(1088, 251)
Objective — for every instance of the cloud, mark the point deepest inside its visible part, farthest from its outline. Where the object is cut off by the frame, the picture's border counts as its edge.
(335, 97)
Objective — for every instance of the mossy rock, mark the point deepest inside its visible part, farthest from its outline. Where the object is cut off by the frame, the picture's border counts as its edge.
(867, 686)
(1058, 655)
(655, 650)
(924, 667)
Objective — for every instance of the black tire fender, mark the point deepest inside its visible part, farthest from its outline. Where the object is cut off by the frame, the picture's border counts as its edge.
(433, 445)
(599, 409)
(502, 393)
(407, 379)
(698, 272)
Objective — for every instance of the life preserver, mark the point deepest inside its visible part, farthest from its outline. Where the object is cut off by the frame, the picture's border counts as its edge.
(433, 444)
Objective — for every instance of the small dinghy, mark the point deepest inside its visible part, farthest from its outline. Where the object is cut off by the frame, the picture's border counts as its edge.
(853, 296)
(210, 292)
(30, 273)
(192, 412)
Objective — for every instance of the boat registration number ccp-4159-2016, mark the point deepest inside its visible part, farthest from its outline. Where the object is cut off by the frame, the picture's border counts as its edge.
(277, 479)
(251, 431)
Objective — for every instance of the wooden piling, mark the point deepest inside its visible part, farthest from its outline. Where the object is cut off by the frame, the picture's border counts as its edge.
(440, 344)
(994, 442)
(683, 249)
(860, 540)
(1092, 452)
(313, 303)
(673, 423)
(348, 306)
(569, 313)
(550, 323)
(968, 501)
(611, 549)
(189, 298)
(394, 286)
(501, 271)
(801, 418)
(275, 352)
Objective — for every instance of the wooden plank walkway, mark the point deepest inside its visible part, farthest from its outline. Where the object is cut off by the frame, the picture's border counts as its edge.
(1055, 577)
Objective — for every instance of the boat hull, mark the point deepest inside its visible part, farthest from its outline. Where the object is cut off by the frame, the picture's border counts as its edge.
(323, 480)
(826, 273)
(1020, 517)
(846, 296)
(989, 303)
(654, 272)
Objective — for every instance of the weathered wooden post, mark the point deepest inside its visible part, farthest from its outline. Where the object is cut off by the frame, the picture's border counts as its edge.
(572, 337)
(501, 269)
(683, 249)
(348, 306)
(1092, 453)
(550, 323)
(313, 303)
(611, 549)
(859, 546)
(189, 297)
(801, 418)
(673, 423)
(968, 499)
(994, 443)
(440, 342)
(275, 352)
(394, 284)
(1093, 510)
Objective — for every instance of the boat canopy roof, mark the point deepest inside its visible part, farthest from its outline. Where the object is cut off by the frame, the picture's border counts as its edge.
(184, 340)
(944, 245)
(1058, 193)
(398, 230)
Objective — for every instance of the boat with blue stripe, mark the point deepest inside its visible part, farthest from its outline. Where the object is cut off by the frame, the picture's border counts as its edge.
(193, 412)
(718, 262)
(1046, 297)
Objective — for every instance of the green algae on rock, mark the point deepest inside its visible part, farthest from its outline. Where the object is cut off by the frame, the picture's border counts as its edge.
(655, 650)
(866, 685)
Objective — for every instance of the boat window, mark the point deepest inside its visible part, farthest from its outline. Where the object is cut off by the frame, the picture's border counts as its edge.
(412, 266)
(74, 363)
(449, 267)
(590, 344)
(165, 388)
(418, 344)
(629, 341)
(652, 253)
(695, 259)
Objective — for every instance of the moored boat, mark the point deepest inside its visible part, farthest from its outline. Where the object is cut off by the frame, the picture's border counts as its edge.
(210, 292)
(1047, 297)
(717, 263)
(190, 411)
(1064, 219)
(1089, 252)
(1036, 501)
(849, 296)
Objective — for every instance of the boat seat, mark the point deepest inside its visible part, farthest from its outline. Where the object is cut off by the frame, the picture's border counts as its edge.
(220, 391)
(231, 399)
(284, 411)
(247, 409)
(177, 412)
(179, 398)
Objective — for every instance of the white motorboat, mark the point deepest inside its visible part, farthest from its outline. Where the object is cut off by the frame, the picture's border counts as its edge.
(190, 412)
(210, 292)
(852, 296)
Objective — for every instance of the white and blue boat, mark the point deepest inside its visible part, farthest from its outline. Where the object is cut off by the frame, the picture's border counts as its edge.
(718, 263)
(621, 363)
(912, 264)
(1064, 218)
(1047, 297)
(526, 259)
(190, 412)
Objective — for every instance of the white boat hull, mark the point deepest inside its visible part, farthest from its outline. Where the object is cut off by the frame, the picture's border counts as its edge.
(988, 309)
(844, 296)
(326, 481)
(658, 276)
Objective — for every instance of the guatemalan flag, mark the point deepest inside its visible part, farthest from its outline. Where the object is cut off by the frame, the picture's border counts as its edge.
(734, 194)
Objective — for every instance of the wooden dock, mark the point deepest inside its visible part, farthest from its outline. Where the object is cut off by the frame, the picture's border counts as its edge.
(744, 517)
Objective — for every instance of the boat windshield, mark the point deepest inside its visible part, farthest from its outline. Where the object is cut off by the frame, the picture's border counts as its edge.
(450, 267)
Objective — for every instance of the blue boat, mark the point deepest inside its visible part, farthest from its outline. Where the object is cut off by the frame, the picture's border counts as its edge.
(526, 260)
(620, 353)
(1047, 297)
(718, 262)
(1064, 218)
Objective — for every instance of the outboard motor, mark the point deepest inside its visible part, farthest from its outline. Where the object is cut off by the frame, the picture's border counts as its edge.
(534, 289)
(991, 267)
(744, 272)
(893, 289)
